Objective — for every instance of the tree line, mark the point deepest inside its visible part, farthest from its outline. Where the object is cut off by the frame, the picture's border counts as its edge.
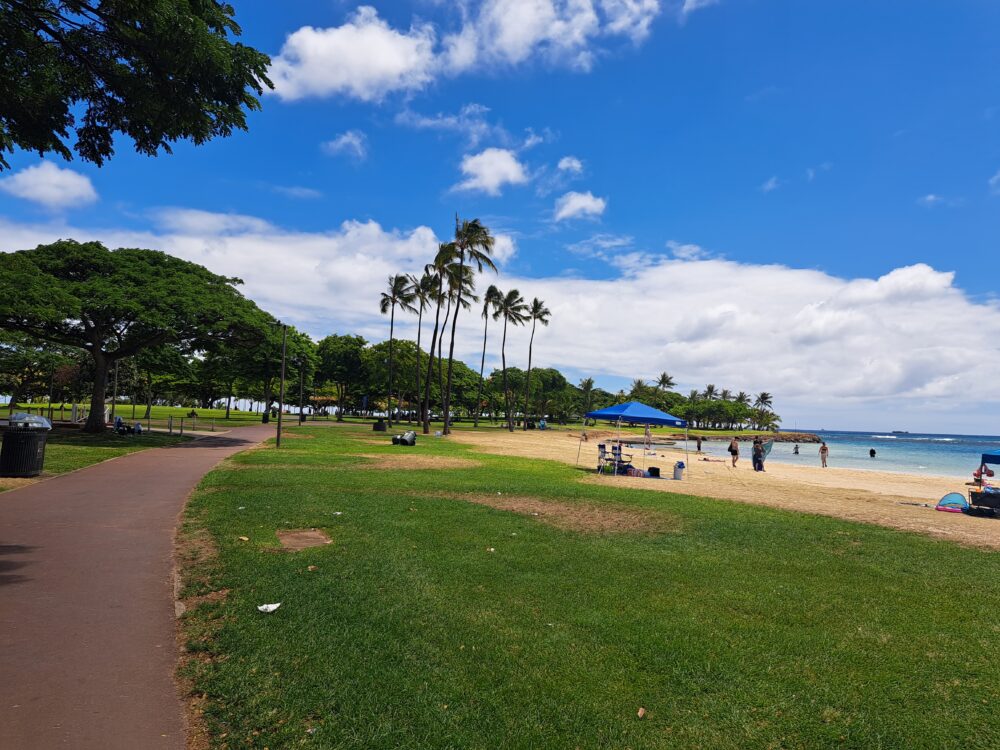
(155, 329)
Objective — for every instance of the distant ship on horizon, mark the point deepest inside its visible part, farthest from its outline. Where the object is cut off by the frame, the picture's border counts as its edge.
(900, 432)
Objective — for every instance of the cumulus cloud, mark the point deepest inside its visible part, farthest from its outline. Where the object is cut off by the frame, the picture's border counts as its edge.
(364, 58)
(574, 205)
(686, 251)
(353, 143)
(867, 347)
(297, 191)
(50, 186)
(491, 169)
(367, 59)
(570, 164)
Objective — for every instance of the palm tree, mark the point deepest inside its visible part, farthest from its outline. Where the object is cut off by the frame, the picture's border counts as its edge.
(538, 313)
(694, 396)
(726, 395)
(490, 300)
(474, 246)
(742, 398)
(764, 400)
(710, 393)
(399, 295)
(513, 310)
(422, 289)
(665, 382)
(587, 391)
(437, 271)
(638, 386)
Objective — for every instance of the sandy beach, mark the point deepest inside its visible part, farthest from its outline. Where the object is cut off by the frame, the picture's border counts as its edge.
(867, 496)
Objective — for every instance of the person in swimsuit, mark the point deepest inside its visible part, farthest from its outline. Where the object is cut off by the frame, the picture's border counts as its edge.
(734, 450)
(823, 453)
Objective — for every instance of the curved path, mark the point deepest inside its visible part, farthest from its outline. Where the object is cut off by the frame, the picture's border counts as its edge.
(87, 649)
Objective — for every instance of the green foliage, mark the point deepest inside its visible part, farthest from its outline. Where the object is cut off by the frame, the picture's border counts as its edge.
(156, 71)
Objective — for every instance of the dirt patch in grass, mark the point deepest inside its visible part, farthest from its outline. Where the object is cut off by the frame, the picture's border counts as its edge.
(403, 460)
(294, 540)
(579, 516)
(295, 435)
(10, 483)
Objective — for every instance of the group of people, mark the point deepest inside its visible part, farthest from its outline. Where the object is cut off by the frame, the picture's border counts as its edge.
(758, 452)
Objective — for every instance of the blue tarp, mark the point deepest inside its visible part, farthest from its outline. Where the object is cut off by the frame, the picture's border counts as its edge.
(991, 458)
(637, 413)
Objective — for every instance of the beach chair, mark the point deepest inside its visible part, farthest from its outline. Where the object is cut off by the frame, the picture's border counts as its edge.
(602, 457)
(621, 462)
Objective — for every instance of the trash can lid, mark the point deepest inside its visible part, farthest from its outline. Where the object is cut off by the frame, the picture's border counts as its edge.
(22, 421)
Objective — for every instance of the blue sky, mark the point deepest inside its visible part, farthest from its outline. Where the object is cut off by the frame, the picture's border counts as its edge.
(761, 161)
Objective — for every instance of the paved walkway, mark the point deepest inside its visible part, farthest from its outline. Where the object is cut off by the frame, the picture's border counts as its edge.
(87, 650)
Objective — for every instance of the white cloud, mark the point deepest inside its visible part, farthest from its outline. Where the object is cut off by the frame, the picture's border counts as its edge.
(353, 143)
(504, 248)
(570, 164)
(470, 122)
(930, 200)
(864, 351)
(365, 59)
(686, 251)
(690, 6)
(490, 170)
(297, 191)
(770, 185)
(995, 183)
(573, 205)
(50, 186)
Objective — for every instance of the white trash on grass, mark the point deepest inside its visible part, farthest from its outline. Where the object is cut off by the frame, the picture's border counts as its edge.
(268, 608)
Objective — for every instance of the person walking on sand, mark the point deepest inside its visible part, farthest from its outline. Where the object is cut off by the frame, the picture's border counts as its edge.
(734, 450)
(824, 451)
(697, 442)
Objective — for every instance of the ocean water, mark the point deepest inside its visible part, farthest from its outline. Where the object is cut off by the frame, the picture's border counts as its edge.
(910, 453)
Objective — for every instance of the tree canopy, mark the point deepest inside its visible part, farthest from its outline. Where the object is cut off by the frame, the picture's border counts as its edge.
(156, 71)
(116, 303)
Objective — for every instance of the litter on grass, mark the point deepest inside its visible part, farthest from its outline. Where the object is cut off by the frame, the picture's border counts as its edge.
(268, 608)
(244, 539)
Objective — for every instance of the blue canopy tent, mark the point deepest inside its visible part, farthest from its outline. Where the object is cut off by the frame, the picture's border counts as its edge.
(636, 412)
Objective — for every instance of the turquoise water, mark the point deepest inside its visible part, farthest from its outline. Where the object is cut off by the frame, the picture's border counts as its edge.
(910, 453)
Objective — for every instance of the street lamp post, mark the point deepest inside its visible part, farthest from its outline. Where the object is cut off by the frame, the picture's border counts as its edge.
(281, 389)
(302, 383)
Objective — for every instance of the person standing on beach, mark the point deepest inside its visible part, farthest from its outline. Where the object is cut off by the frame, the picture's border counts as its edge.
(734, 450)
(824, 451)
(697, 442)
(758, 454)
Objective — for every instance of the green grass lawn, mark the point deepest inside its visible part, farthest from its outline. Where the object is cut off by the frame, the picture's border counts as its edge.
(734, 626)
(67, 451)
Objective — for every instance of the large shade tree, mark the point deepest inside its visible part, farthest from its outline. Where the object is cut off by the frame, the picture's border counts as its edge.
(156, 71)
(117, 303)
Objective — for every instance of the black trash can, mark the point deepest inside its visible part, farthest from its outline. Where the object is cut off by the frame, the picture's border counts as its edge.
(379, 426)
(23, 451)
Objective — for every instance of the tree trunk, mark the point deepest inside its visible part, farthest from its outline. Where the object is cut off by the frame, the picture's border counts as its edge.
(527, 380)
(440, 346)
(392, 325)
(95, 420)
(430, 366)
(451, 348)
(482, 366)
(420, 407)
(229, 399)
(503, 364)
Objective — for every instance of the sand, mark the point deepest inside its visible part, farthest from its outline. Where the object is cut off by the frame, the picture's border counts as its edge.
(853, 494)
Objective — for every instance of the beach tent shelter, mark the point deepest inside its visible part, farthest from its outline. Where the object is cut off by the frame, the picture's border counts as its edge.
(636, 412)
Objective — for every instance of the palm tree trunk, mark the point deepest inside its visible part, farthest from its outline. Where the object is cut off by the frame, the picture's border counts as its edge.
(420, 320)
(503, 364)
(527, 380)
(392, 325)
(482, 366)
(444, 327)
(430, 366)
(451, 348)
